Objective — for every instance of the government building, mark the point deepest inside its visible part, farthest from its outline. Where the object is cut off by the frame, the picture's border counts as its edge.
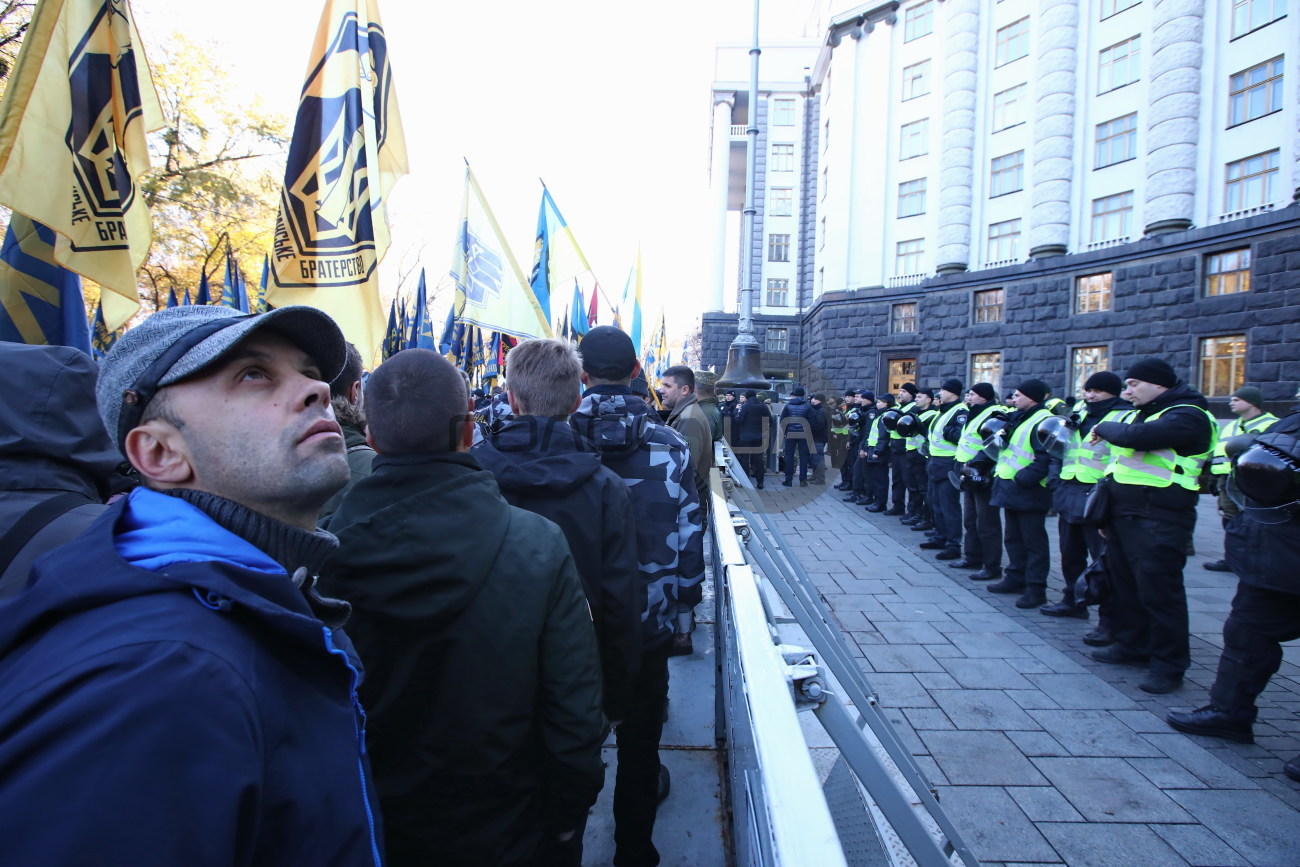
(1004, 189)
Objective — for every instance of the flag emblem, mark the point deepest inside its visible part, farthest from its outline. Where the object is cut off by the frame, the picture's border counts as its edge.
(483, 271)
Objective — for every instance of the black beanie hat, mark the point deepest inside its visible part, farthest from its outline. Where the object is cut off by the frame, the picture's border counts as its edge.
(852, 392)
(1153, 370)
(1105, 381)
(910, 388)
(798, 391)
(928, 392)
(1034, 389)
(869, 395)
(984, 390)
(952, 385)
(887, 398)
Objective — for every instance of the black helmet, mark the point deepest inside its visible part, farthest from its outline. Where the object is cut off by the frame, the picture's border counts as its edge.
(890, 418)
(971, 478)
(908, 426)
(1266, 478)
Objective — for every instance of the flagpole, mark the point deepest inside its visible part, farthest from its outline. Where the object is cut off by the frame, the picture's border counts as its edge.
(744, 357)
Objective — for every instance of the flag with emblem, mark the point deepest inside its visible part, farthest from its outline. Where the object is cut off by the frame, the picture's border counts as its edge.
(40, 302)
(491, 291)
(392, 335)
(422, 324)
(101, 338)
(347, 152)
(72, 142)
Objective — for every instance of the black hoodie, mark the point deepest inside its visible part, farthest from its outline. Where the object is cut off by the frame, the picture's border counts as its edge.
(482, 672)
(544, 466)
(52, 443)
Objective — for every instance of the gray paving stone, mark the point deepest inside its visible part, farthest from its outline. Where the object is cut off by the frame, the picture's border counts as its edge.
(918, 612)
(911, 633)
(1044, 804)
(1166, 773)
(1109, 790)
(945, 651)
(855, 602)
(989, 645)
(1199, 846)
(937, 680)
(1093, 733)
(1254, 823)
(1037, 744)
(1079, 691)
(927, 718)
(931, 771)
(1204, 766)
(980, 758)
(1061, 663)
(993, 826)
(900, 690)
(902, 657)
(1030, 665)
(985, 674)
(932, 595)
(1142, 721)
(1031, 698)
(983, 709)
(1086, 845)
(990, 622)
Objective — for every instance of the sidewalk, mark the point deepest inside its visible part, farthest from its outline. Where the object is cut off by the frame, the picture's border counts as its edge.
(1040, 754)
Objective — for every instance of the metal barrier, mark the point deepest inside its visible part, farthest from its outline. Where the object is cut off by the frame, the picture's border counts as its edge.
(875, 805)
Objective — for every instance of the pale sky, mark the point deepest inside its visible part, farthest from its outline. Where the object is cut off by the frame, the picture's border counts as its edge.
(608, 102)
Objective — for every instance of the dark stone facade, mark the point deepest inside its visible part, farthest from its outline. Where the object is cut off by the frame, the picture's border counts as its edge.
(1158, 308)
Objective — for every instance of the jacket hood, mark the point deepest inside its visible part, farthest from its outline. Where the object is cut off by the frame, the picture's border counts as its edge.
(57, 442)
(538, 457)
(418, 536)
(1179, 394)
(612, 419)
(797, 401)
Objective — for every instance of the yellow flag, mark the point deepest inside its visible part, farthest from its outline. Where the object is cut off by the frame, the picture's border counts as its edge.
(72, 141)
(348, 151)
(491, 291)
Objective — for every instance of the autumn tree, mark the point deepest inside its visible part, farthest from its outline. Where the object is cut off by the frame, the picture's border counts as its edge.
(15, 17)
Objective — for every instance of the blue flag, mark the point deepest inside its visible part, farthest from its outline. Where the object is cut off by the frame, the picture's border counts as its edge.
(540, 279)
(262, 306)
(171, 299)
(577, 314)
(421, 324)
(234, 292)
(205, 292)
(448, 332)
(40, 301)
(101, 339)
(392, 337)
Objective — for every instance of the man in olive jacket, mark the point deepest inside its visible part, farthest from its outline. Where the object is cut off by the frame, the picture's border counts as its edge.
(483, 682)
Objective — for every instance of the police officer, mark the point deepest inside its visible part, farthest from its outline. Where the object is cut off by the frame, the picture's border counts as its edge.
(1020, 490)
(860, 484)
(1247, 404)
(841, 444)
(1263, 547)
(980, 520)
(1077, 472)
(921, 413)
(1153, 479)
(950, 417)
(906, 397)
(875, 457)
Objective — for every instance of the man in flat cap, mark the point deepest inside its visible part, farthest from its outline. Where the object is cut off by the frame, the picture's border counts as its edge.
(172, 680)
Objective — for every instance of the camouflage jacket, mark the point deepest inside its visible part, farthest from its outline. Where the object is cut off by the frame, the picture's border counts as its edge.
(654, 461)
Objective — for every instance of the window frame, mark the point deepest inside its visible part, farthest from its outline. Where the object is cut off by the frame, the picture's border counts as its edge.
(774, 158)
(777, 246)
(998, 239)
(781, 107)
(912, 197)
(1082, 282)
(910, 80)
(1019, 103)
(777, 339)
(904, 138)
(996, 379)
(1270, 173)
(996, 173)
(1125, 229)
(1272, 86)
(922, 14)
(1000, 42)
(784, 289)
(1133, 55)
(904, 317)
(1232, 15)
(900, 255)
(1130, 135)
(1115, 8)
(1079, 373)
(1241, 273)
(977, 309)
(779, 205)
(1208, 381)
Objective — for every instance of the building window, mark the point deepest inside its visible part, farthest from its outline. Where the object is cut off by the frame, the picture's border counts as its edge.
(782, 158)
(1112, 217)
(1248, 15)
(778, 248)
(778, 340)
(783, 112)
(1008, 174)
(916, 80)
(1114, 7)
(918, 21)
(988, 305)
(781, 202)
(1116, 140)
(1012, 42)
(1004, 241)
(901, 370)
(1084, 362)
(1009, 108)
(778, 293)
(1119, 64)
(1251, 182)
(910, 256)
(1255, 92)
(987, 367)
(914, 139)
(911, 198)
(902, 318)
(1227, 273)
(1223, 364)
(1092, 293)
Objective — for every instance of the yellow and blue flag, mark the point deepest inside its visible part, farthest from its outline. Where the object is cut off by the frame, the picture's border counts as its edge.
(577, 315)
(492, 367)
(421, 325)
(101, 338)
(491, 291)
(262, 306)
(72, 142)
(40, 302)
(234, 290)
(347, 152)
(629, 313)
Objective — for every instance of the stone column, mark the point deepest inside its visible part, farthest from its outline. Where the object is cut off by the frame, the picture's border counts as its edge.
(1173, 125)
(956, 172)
(719, 178)
(1054, 109)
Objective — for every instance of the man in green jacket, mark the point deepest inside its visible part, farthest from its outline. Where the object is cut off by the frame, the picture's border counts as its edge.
(347, 399)
(483, 681)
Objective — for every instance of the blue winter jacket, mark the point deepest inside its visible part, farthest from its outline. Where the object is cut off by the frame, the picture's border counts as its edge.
(168, 697)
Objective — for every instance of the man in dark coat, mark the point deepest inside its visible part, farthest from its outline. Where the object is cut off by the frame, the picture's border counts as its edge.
(1263, 547)
(799, 424)
(171, 683)
(753, 429)
(348, 400)
(448, 580)
(543, 465)
(57, 464)
(821, 436)
(1157, 459)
